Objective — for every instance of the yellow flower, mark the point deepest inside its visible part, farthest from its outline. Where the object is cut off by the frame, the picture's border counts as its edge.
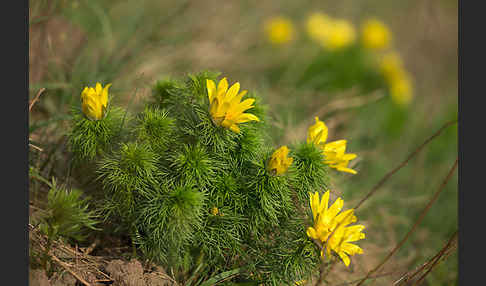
(300, 282)
(214, 211)
(226, 107)
(317, 133)
(279, 162)
(391, 65)
(375, 35)
(401, 90)
(342, 35)
(279, 30)
(332, 34)
(327, 221)
(400, 85)
(94, 101)
(318, 26)
(334, 152)
(335, 157)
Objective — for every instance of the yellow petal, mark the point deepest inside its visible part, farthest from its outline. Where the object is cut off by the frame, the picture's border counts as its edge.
(314, 202)
(211, 87)
(222, 87)
(99, 89)
(338, 146)
(234, 128)
(345, 218)
(320, 137)
(223, 108)
(245, 117)
(244, 105)
(324, 202)
(351, 249)
(335, 208)
(353, 233)
(84, 93)
(314, 132)
(311, 232)
(104, 95)
(347, 170)
(233, 91)
(214, 107)
(349, 156)
(344, 257)
(92, 108)
(91, 91)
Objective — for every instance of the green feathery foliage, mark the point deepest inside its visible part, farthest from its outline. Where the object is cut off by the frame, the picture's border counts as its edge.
(199, 198)
(309, 174)
(67, 215)
(89, 138)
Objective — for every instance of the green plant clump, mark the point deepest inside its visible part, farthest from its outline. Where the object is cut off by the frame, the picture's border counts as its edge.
(199, 198)
(68, 215)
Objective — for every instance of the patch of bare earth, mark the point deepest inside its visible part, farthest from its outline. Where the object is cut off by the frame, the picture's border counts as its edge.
(73, 266)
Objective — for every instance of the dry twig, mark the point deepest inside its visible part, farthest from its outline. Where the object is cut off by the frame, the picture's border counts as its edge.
(36, 98)
(404, 163)
(451, 244)
(417, 222)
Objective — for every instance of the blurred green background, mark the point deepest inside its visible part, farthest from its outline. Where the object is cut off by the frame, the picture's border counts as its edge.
(134, 43)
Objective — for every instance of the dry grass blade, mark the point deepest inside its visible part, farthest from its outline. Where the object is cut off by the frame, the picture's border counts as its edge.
(404, 163)
(417, 222)
(35, 147)
(451, 244)
(36, 98)
(30, 108)
(75, 262)
(67, 267)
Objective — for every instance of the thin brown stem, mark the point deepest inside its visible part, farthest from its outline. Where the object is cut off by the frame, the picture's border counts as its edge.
(36, 98)
(411, 274)
(35, 147)
(417, 222)
(67, 267)
(404, 163)
(324, 269)
(441, 253)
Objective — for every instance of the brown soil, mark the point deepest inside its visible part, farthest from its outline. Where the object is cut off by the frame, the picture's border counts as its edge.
(74, 266)
(122, 273)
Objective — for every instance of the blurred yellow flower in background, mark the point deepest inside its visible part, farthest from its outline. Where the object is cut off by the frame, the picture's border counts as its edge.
(226, 107)
(401, 90)
(399, 81)
(342, 35)
(334, 152)
(375, 35)
(391, 65)
(94, 101)
(330, 228)
(332, 34)
(279, 30)
(279, 161)
(318, 26)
